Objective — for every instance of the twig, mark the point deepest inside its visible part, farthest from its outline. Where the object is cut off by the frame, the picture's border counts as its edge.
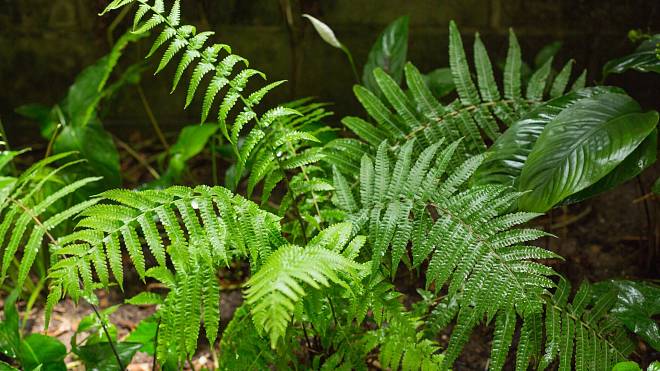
(137, 156)
(152, 118)
(107, 334)
(155, 363)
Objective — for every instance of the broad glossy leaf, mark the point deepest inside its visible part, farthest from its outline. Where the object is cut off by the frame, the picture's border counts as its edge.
(96, 146)
(87, 91)
(507, 156)
(38, 349)
(144, 334)
(388, 53)
(580, 146)
(100, 357)
(642, 157)
(637, 305)
(646, 58)
(440, 82)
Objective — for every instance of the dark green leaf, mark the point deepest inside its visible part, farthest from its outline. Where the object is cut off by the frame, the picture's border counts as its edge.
(192, 140)
(580, 146)
(547, 52)
(97, 147)
(440, 82)
(626, 366)
(144, 334)
(88, 89)
(389, 53)
(9, 336)
(644, 59)
(637, 304)
(100, 357)
(38, 349)
(508, 154)
(43, 115)
(642, 157)
(656, 187)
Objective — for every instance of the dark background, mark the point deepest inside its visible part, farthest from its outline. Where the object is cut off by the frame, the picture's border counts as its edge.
(44, 44)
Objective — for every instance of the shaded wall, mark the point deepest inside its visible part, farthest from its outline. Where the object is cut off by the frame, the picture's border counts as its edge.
(45, 43)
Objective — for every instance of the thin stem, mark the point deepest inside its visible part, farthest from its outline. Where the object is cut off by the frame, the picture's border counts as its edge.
(281, 167)
(332, 309)
(154, 363)
(152, 118)
(137, 156)
(649, 226)
(214, 165)
(35, 218)
(51, 142)
(352, 63)
(107, 334)
(190, 363)
(309, 343)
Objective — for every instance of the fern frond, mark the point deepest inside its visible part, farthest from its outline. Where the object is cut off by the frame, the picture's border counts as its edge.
(27, 215)
(276, 288)
(479, 113)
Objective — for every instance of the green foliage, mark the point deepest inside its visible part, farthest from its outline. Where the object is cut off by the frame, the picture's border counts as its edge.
(405, 192)
(74, 124)
(389, 53)
(646, 58)
(32, 352)
(636, 305)
(275, 289)
(27, 213)
(474, 116)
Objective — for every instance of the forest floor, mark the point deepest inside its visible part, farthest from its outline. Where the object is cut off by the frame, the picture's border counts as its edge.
(613, 236)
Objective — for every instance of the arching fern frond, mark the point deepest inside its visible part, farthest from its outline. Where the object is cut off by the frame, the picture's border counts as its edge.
(280, 283)
(464, 233)
(479, 113)
(26, 213)
(236, 108)
(207, 220)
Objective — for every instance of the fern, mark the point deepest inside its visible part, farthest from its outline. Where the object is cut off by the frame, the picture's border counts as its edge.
(204, 228)
(274, 290)
(478, 114)
(26, 211)
(581, 333)
(464, 234)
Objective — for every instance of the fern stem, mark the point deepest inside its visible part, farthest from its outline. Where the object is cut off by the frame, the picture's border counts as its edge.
(301, 221)
(214, 165)
(35, 218)
(470, 108)
(314, 201)
(107, 334)
(154, 362)
(587, 326)
(152, 118)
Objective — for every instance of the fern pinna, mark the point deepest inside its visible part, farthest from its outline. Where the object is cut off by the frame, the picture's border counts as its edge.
(478, 114)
